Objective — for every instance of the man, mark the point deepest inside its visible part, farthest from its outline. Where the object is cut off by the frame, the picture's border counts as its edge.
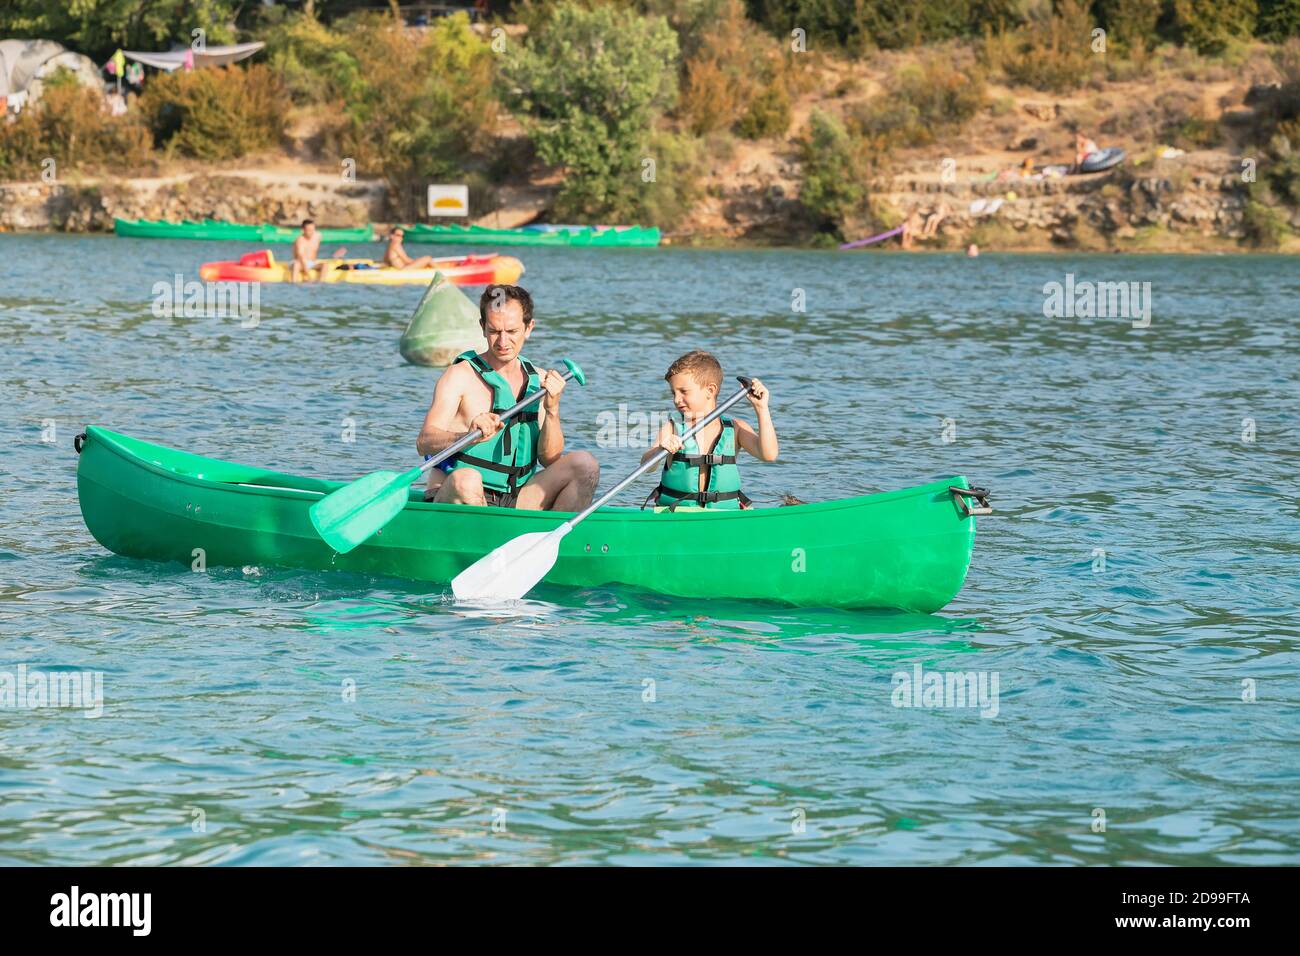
(502, 468)
(305, 248)
(395, 256)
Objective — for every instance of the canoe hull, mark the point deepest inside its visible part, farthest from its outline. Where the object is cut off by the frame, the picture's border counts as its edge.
(579, 236)
(216, 229)
(907, 549)
(465, 270)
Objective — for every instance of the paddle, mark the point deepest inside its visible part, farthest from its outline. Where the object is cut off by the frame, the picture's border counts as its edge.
(347, 517)
(512, 570)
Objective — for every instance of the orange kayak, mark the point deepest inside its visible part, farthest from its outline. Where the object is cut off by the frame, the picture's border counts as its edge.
(468, 270)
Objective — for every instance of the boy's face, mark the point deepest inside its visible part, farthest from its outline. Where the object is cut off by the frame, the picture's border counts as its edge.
(690, 396)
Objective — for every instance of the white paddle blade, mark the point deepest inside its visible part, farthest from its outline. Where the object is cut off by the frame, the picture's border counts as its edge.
(512, 570)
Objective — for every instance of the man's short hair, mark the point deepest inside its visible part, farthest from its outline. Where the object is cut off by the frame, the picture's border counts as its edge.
(308, 222)
(701, 366)
(498, 294)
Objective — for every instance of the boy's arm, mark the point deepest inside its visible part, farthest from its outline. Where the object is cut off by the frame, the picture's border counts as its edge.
(668, 440)
(761, 444)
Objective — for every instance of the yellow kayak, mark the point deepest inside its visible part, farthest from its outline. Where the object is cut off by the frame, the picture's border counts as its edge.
(261, 266)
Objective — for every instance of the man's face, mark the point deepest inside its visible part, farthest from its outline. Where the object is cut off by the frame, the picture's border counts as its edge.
(689, 396)
(505, 330)
(309, 230)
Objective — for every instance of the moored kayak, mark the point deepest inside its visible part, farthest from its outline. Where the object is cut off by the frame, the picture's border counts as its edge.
(601, 236)
(906, 549)
(238, 231)
(262, 266)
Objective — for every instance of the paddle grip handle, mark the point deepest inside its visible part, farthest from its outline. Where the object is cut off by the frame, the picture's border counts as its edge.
(658, 458)
(460, 444)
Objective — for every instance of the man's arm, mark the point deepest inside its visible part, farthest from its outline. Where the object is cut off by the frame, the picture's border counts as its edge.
(550, 442)
(440, 428)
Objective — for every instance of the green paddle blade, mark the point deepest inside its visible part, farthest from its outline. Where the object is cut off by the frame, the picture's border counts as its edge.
(512, 570)
(347, 517)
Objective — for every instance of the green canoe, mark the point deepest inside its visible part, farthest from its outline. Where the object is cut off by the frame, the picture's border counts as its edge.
(244, 232)
(905, 549)
(534, 236)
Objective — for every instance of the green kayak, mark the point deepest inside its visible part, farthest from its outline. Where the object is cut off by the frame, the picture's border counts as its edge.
(905, 549)
(244, 232)
(535, 236)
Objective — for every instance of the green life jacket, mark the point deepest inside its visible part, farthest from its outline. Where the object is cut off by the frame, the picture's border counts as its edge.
(680, 481)
(508, 458)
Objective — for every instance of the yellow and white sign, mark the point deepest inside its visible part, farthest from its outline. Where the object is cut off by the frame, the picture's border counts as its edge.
(448, 200)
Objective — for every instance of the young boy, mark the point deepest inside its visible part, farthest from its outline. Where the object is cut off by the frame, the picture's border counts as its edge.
(702, 470)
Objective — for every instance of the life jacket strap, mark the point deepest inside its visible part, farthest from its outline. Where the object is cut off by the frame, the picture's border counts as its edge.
(701, 498)
(705, 461)
(512, 472)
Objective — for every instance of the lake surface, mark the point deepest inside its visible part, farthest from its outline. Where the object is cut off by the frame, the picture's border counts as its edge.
(1134, 596)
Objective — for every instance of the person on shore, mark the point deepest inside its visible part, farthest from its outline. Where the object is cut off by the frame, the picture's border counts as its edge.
(395, 256)
(305, 249)
(913, 226)
(520, 463)
(1083, 146)
(933, 220)
(693, 475)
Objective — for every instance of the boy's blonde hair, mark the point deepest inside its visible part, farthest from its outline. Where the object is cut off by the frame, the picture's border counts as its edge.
(701, 366)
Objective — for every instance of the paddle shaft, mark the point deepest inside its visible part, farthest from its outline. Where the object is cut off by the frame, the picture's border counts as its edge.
(659, 456)
(460, 444)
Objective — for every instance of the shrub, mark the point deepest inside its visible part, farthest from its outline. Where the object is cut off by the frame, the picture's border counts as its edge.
(425, 102)
(1052, 54)
(768, 114)
(1130, 25)
(70, 125)
(834, 173)
(215, 114)
(1210, 26)
(924, 100)
(314, 63)
(1278, 19)
(589, 87)
(731, 63)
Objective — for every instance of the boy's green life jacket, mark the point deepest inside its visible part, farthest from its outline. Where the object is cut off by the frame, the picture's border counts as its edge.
(508, 458)
(680, 482)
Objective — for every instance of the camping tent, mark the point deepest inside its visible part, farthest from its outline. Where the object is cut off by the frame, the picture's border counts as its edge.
(23, 64)
(210, 56)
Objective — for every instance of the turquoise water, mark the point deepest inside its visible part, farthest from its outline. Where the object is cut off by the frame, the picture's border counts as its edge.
(617, 726)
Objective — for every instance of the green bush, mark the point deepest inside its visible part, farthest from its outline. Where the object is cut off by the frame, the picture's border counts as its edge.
(216, 114)
(315, 63)
(923, 101)
(834, 173)
(1278, 20)
(589, 87)
(1053, 54)
(1209, 26)
(424, 106)
(1265, 227)
(70, 125)
(768, 115)
(1130, 24)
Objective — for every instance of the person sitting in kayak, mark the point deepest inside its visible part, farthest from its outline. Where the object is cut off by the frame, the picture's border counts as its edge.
(305, 249)
(395, 256)
(502, 467)
(692, 475)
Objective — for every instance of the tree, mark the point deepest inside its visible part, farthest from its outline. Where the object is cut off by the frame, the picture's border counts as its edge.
(589, 87)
